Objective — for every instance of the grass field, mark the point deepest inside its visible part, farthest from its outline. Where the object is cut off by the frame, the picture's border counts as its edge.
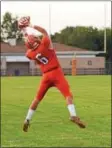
(50, 125)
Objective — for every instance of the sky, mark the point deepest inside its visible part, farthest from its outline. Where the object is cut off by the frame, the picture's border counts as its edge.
(56, 15)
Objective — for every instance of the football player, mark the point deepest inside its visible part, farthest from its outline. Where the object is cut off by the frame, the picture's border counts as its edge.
(43, 53)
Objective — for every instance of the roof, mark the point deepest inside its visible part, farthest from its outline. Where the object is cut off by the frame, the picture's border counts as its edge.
(6, 48)
(63, 47)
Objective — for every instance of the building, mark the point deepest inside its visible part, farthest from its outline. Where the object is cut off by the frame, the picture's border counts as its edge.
(14, 62)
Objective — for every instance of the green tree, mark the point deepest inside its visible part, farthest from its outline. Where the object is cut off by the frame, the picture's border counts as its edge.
(90, 38)
(9, 28)
(109, 39)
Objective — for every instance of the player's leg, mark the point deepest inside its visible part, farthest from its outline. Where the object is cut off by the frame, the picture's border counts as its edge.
(64, 88)
(44, 86)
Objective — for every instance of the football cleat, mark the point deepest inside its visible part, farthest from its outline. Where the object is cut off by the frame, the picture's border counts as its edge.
(26, 125)
(77, 120)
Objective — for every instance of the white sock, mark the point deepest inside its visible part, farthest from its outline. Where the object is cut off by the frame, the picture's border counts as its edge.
(71, 108)
(30, 114)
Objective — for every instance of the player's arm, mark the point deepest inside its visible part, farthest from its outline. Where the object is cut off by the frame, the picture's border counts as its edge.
(44, 33)
(41, 30)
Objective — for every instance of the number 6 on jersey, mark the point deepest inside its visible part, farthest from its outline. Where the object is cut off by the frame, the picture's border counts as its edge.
(43, 60)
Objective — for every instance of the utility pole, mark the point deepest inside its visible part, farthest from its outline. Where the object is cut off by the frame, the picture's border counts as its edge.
(105, 33)
(49, 19)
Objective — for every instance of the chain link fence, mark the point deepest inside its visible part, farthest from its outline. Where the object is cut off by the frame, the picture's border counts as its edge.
(67, 71)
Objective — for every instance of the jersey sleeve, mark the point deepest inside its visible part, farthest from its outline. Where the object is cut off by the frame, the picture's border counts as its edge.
(30, 54)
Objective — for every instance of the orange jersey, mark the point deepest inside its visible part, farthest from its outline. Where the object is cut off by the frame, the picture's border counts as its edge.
(44, 56)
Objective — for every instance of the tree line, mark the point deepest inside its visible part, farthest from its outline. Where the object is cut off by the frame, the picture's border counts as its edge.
(90, 38)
